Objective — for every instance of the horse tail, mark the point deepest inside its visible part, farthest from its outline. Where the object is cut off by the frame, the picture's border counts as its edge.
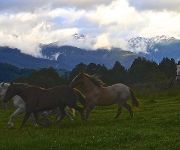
(81, 97)
(135, 102)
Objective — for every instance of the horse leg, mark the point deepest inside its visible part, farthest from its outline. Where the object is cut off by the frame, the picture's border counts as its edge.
(69, 114)
(59, 115)
(34, 120)
(18, 111)
(63, 113)
(128, 107)
(119, 111)
(88, 109)
(71, 111)
(80, 110)
(25, 119)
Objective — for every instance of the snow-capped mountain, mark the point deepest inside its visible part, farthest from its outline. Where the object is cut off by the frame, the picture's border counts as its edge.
(69, 56)
(142, 44)
(66, 57)
(156, 48)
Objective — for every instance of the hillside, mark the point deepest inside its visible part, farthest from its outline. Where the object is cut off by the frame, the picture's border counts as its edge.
(14, 57)
(69, 56)
(10, 72)
(65, 57)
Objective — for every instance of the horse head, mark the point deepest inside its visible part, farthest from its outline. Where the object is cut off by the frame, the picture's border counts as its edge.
(10, 92)
(77, 80)
(3, 88)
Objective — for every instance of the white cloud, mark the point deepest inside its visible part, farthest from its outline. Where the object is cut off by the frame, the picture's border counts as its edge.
(161, 23)
(118, 12)
(173, 5)
(105, 25)
(32, 5)
(26, 31)
(102, 41)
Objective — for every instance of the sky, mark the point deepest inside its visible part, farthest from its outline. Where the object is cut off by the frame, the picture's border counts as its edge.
(91, 24)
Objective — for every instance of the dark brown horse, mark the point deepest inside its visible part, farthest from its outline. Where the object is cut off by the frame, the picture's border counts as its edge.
(39, 99)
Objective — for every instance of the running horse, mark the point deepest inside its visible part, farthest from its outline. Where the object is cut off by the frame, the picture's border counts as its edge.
(20, 107)
(18, 103)
(38, 99)
(97, 94)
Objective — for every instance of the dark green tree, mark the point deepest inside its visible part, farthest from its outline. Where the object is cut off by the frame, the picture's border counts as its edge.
(168, 67)
(144, 71)
(117, 74)
(77, 69)
(47, 77)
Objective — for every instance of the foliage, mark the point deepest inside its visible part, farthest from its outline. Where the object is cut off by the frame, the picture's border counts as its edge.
(168, 67)
(142, 71)
(47, 77)
(10, 72)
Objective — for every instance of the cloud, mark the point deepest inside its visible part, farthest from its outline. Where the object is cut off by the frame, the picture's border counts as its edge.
(102, 41)
(26, 24)
(26, 31)
(173, 5)
(32, 5)
(161, 23)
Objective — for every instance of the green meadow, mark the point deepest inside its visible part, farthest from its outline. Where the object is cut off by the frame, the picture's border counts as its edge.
(155, 126)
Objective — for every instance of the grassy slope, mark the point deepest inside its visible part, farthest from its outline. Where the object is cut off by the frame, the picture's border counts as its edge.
(156, 125)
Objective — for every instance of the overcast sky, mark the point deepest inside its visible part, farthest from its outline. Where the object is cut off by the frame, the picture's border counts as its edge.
(26, 23)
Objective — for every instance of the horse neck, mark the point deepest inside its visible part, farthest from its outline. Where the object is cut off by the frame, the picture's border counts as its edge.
(90, 86)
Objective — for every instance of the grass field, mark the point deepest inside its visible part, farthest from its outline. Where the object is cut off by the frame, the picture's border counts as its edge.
(156, 125)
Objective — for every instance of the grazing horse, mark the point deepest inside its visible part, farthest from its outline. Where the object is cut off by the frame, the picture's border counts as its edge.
(39, 99)
(99, 95)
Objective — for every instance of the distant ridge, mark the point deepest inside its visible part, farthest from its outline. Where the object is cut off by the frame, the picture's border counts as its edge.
(67, 57)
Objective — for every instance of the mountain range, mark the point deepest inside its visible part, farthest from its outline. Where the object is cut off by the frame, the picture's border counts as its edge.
(156, 48)
(66, 57)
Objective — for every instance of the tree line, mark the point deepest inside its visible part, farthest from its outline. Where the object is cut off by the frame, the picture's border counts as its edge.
(141, 71)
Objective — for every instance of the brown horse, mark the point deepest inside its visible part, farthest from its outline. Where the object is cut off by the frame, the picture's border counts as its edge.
(39, 99)
(99, 95)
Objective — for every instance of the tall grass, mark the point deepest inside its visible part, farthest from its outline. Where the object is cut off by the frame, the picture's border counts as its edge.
(156, 125)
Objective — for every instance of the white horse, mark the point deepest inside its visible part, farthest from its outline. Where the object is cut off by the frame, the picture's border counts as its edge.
(20, 106)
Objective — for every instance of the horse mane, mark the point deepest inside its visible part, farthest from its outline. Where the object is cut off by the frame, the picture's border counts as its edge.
(22, 84)
(98, 82)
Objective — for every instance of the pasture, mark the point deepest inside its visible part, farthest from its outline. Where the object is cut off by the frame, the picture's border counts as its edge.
(156, 125)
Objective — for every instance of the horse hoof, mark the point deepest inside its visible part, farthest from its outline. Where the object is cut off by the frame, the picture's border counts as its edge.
(10, 125)
(36, 125)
